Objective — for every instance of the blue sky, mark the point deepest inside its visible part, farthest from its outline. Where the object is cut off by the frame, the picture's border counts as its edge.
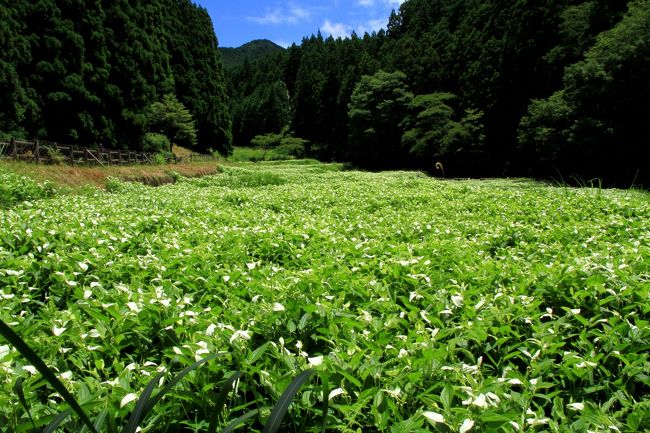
(284, 22)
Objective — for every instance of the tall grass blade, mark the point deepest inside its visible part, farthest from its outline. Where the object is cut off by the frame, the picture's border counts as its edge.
(221, 400)
(18, 388)
(155, 399)
(51, 428)
(48, 375)
(99, 421)
(227, 387)
(277, 415)
(140, 408)
(237, 422)
(326, 401)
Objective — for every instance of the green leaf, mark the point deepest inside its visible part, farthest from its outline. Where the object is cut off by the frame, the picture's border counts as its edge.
(99, 421)
(353, 380)
(18, 388)
(51, 428)
(177, 379)
(237, 422)
(221, 400)
(48, 375)
(325, 390)
(498, 418)
(257, 353)
(275, 420)
(142, 406)
(447, 396)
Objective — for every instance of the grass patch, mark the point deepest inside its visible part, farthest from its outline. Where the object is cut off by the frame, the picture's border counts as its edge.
(77, 178)
(256, 154)
(247, 154)
(237, 177)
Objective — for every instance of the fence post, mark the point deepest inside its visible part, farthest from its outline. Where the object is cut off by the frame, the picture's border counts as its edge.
(14, 149)
(37, 151)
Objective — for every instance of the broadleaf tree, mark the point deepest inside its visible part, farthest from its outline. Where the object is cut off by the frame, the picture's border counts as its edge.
(598, 120)
(376, 111)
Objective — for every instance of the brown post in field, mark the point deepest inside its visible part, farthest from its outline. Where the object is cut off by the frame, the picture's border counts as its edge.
(37, 152)
(14, 149)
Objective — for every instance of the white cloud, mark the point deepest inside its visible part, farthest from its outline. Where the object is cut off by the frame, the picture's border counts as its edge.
(272, 17)
(376, 25)
(372, 26)
(291, 14)
(336, 30)
(378, 11)
(371, 3)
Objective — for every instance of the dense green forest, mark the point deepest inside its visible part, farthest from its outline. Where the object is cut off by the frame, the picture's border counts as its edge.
(553, 89)
(251, 51)
(97, 72)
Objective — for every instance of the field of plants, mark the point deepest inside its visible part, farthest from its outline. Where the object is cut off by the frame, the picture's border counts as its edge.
(421, 305)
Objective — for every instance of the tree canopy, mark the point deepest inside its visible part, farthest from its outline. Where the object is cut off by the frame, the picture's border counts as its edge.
(86, 72)
(503, 62)
(597, 118)
(171, 119)
(376, 107)
(494, 88)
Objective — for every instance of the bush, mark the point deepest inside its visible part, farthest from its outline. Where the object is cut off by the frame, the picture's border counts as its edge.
(15, 189)
(279, 146)
(161, 158)
(55, 156)
(113, 184)
(156, 143)
(267, 141)
(292, 147)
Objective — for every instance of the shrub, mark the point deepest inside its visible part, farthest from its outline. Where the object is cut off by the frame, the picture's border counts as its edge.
(113, 184)
(55, 156)
(279, 146)
(155, 143)
(15, 189)
(292, 147)
(267, 141)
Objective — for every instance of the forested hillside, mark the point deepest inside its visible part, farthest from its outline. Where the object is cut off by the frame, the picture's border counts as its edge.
(552, 89)
(251, 51)
(108, 73)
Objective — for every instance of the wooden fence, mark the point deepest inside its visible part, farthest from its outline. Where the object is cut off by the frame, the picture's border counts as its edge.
(45, 152)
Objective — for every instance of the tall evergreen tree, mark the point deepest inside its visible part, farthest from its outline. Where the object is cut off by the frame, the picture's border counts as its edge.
(198, 74)
(15, 105)
(85, 72)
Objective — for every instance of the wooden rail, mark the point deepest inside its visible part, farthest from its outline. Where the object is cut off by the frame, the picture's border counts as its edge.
(45, 152)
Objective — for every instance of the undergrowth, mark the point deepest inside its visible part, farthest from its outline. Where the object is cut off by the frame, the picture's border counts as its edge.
(420, 304)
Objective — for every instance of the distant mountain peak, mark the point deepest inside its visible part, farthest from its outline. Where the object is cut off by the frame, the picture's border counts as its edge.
(253, 50)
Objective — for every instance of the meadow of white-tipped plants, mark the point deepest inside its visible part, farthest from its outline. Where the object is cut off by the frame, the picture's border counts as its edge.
(419, 304)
